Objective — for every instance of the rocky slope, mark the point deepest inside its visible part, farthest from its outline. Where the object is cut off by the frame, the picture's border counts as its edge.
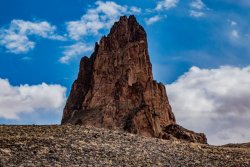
(115, 88)
(89, 146)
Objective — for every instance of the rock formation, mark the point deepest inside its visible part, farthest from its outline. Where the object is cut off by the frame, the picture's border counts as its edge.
(115, 87)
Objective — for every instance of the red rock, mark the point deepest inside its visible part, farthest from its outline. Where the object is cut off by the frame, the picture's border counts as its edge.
(115, 87)
(179, 132)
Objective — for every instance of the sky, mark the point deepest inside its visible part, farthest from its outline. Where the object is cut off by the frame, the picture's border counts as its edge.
(200, 49)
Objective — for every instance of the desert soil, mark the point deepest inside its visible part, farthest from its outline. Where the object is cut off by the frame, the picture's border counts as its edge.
(88, 146)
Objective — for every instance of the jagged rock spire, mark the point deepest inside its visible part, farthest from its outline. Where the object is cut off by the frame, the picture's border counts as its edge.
(115, 87)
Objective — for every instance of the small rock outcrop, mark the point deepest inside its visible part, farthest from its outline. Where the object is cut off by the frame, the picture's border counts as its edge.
(178, 132)
(115, 87)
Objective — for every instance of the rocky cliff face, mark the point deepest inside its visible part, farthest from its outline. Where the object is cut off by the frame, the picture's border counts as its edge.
(115, 87)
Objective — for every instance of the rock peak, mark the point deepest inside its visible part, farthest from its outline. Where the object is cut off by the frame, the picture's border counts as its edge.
(130, 19)
(126, 30)
(115, 87)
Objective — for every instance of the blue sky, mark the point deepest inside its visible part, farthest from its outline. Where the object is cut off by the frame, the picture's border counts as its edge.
(41, 43)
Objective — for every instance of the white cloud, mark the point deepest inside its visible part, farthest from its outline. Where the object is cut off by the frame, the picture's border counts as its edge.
(197, 8)
(214, 101)
(235, 34)
(17, 100)
(101, 17)
(197, 4)
(233, 23)
(43, 29)
(16, 37)
(197, 14)
(153, 19)
(135, 10)
(166, 4)
(74, 50)
(15, 43)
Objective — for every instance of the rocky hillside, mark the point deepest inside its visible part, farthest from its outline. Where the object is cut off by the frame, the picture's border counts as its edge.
(88, 146)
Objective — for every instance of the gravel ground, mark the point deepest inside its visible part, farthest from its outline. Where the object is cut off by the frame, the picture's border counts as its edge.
(88, 146)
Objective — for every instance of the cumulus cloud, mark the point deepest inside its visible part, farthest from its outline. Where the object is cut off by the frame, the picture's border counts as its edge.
(100, 17)
(17, 100)
(15, 43)
(16, 40)
(166, 4)
(74, 50)
(214, 101)
(153, 19)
